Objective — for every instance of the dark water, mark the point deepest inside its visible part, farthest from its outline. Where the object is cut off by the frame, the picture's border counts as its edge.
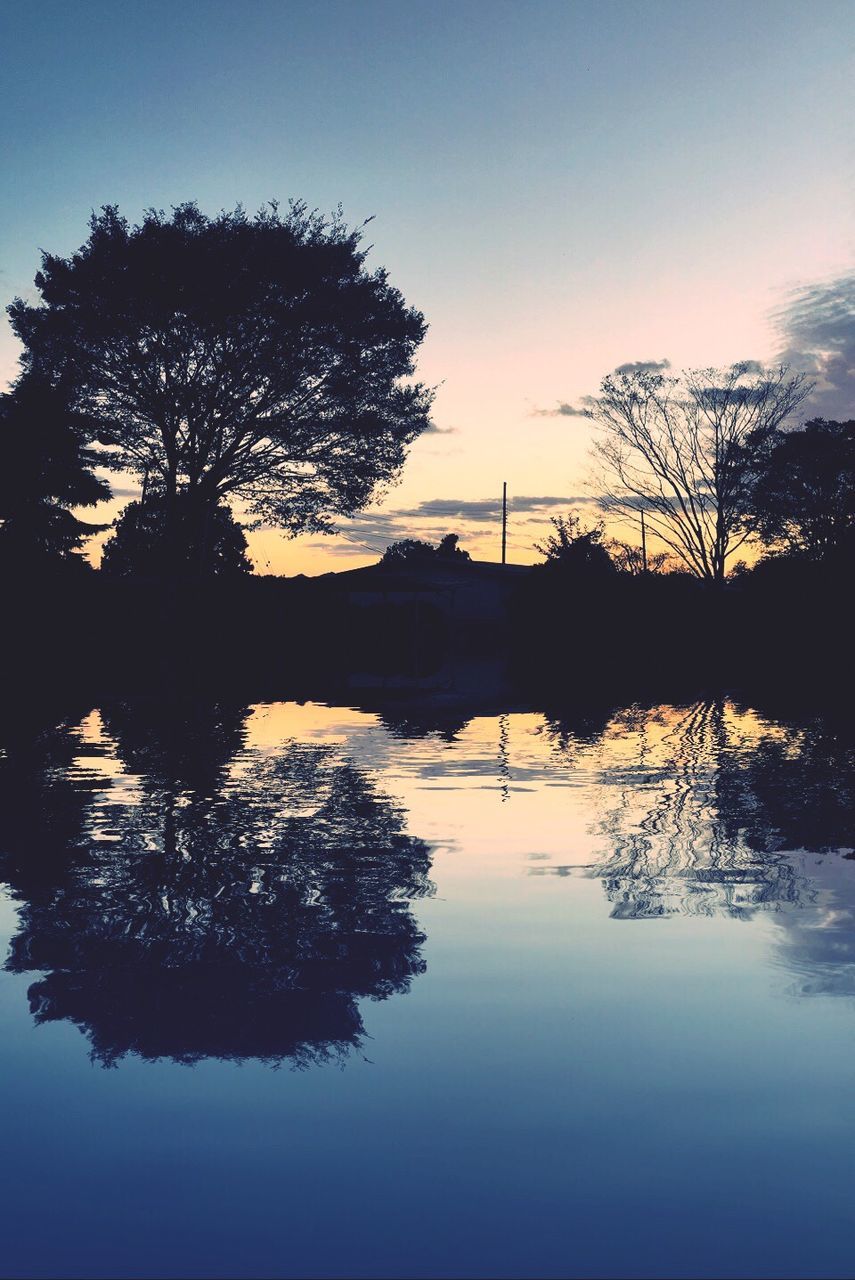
(297, 990)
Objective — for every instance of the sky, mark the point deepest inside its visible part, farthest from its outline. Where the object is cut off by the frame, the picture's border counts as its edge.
(560, 188)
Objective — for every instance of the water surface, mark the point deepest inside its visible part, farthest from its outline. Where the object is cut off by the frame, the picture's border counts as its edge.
(304, 990)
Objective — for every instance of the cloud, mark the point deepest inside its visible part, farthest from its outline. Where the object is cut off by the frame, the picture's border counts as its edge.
(644, 366)
(565, 410)
(816, 327)
(586, 404)
(434, 430)
(429, 520)
(486, 510)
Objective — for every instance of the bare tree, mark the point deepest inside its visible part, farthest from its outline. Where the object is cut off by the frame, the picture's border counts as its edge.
(631, 559)
(684, 451)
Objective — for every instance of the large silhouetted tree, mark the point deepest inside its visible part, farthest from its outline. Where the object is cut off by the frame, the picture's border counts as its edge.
(685, 452)
(235, 357)
(804, 496)
(46, 470)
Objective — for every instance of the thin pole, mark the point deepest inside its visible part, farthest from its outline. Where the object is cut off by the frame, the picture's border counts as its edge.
(504, 519)
(643, 544)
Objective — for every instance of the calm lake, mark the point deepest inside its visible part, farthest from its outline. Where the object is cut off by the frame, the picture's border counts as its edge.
(300, 990)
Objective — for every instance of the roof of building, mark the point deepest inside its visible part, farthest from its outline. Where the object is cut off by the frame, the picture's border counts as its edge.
(429, 575)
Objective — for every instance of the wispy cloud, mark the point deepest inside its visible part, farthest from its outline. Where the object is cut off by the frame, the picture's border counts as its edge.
(478, 510)
(473, 518)
(566, 410)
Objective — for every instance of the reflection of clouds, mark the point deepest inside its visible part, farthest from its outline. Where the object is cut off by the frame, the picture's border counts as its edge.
(817, 944)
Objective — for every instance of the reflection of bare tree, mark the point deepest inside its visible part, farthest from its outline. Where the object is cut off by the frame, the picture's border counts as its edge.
(670, 849)
(701, 806)
(221, 901)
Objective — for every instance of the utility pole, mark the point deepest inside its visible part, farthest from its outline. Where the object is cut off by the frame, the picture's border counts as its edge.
(643, 544)
(504, 520)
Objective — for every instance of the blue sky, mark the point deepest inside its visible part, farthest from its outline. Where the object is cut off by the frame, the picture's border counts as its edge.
(560, 187)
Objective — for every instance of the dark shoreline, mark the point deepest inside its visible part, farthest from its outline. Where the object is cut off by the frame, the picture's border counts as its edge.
(82, 635)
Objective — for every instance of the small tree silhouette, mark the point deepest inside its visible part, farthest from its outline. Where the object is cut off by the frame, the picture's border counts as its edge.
(573, 547)
(413, 551)
(147, 543)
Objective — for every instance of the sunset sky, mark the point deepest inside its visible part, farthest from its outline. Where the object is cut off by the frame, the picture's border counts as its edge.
(560, 187)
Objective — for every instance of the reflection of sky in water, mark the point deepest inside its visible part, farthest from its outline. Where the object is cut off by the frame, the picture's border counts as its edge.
(574, 966)
(651, 802)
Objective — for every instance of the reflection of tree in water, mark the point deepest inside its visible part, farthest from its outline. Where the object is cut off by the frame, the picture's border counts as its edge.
(39, 809)
(795, 790)
(225, 902)
(670, 848)
(703, 805)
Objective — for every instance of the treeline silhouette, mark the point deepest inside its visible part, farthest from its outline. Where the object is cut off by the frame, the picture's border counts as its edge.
(247, 369)
(592, 600)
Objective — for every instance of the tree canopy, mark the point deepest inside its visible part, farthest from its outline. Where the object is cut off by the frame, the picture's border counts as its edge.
(242, 357)
(47, 469)
(576, 549)
(411, 551)
(804, 495)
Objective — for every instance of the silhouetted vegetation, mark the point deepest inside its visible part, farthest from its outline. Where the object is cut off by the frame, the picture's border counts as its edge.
(628, 558)
(252, 369)
(151, 540)
(685, 451)
(47, 469)
(251, 357)
(412, 551)
(575, 550)
(804, 494)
